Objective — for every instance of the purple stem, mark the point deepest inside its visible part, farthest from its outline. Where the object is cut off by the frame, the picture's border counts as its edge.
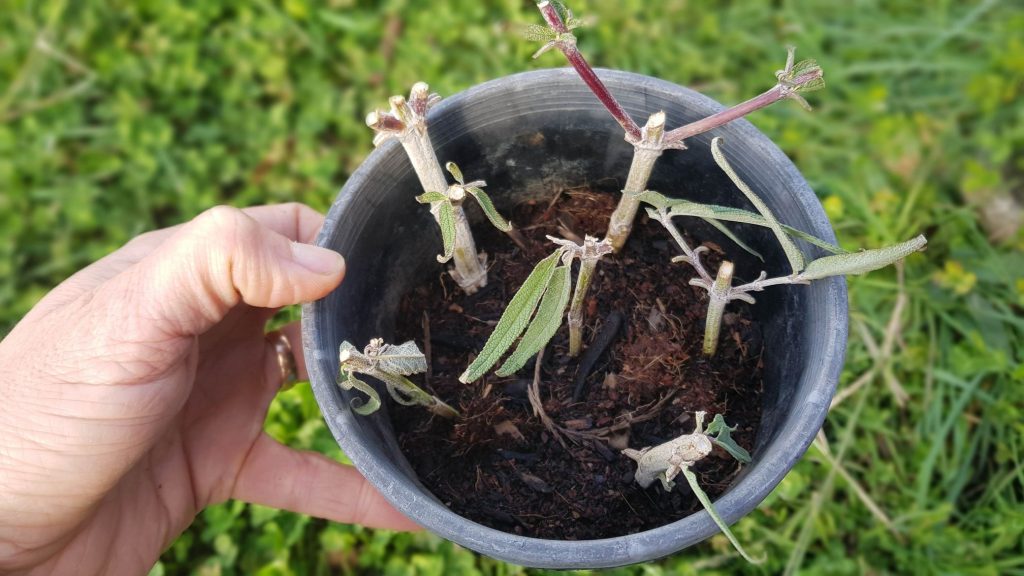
(572, 54)
(738, 111)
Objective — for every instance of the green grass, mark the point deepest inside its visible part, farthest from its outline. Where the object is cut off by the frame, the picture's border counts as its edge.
(118, 117)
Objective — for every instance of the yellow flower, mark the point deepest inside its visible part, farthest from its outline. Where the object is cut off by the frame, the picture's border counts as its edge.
(954, 277)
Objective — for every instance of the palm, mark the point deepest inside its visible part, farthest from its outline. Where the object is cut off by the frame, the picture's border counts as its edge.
(197, 460)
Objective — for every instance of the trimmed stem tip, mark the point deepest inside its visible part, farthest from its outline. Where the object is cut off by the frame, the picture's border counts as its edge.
(718, 298)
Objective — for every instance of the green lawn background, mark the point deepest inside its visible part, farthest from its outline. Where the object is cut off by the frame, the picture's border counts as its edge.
(118, 117)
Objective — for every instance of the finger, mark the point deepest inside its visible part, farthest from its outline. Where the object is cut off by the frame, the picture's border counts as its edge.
(226, 257)
(293, 333)
(310, 483)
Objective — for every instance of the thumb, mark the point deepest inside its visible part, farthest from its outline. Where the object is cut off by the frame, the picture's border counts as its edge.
(221, 259)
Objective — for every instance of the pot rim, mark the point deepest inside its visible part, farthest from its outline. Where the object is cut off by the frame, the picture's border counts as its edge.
(743, 497)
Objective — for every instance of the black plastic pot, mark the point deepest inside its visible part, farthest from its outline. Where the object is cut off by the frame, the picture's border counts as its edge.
(529, 135)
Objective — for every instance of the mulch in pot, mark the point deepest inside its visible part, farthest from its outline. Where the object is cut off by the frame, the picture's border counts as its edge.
(499, 465)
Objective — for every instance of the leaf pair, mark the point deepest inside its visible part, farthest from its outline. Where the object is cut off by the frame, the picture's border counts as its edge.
(450, 208)
(550, 36)
(546, 292)
(803, 76)
(390, 364)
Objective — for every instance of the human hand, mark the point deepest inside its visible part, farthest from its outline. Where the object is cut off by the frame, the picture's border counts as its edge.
(134, 395)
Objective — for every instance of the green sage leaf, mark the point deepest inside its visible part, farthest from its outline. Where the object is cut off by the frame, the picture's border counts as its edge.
(489, 209)
(731, 236)
(721, 434)
(656, 199)
(861, 262)
(538, 33)
(805, 67)
(545, 323)
(691, 478)
(431, 197)
(348, 381)
(446, 220)
(402, 390)
(453, 169)
(729, 214)
(796, 259)
(514, 319)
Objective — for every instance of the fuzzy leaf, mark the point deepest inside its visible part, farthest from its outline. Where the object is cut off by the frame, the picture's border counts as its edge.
(404, 359)
(514, 319)
(446, 220)
(731, 236)
(402, 390)
(431, 197)
(656, 199)
(489, 209)
(347, 347)
(721, 434)
(538, 33)
(691, 478)
(861, 262)
(348, 381)
(545, 323)
(796, 259)
(453, 169)
(563, 11)
(804, 67)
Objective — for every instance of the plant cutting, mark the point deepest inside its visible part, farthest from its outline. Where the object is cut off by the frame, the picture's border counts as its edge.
(542, 453)
(407, 122)
(390, 364)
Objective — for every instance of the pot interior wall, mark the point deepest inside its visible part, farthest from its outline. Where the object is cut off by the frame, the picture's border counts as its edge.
(528, 140)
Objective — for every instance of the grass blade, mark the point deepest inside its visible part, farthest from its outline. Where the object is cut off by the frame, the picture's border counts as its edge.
(514, 319)
(545, 323)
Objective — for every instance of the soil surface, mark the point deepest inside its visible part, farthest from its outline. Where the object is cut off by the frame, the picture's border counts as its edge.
(499, 465)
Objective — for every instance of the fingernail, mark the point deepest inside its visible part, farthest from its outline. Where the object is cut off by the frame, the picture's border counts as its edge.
(316, 259)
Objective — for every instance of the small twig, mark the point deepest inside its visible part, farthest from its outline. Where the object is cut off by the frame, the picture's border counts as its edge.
(566, 42)
(638, 416)
(852, 389)
(789, 85)
(533, 393)
(568, 232)
(426, 348)
(551, 206)
(821, 443)
(692, 255)
(518, 239)
(609, 330)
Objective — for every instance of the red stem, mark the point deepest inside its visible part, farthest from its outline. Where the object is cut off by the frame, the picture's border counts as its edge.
(572, 54)
(738, 111)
